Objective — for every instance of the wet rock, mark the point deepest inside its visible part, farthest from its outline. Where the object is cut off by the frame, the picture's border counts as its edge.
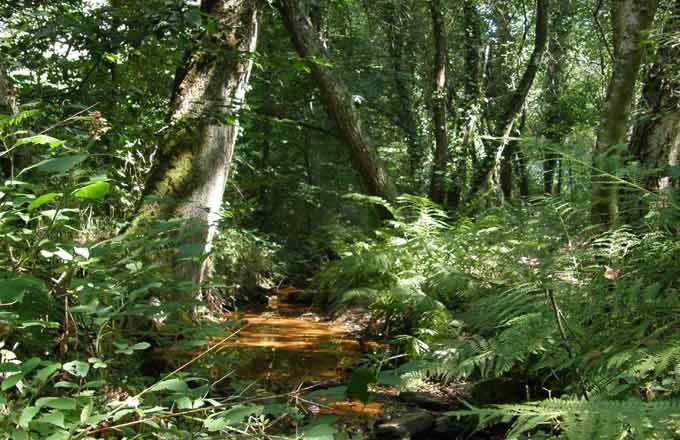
(452, 427)
(425, 401)
(405, 427)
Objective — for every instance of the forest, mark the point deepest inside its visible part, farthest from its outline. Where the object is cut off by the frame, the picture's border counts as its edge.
(339, 219)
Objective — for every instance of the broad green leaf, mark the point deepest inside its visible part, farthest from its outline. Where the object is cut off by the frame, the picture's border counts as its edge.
(141, 346)
(44, 374)
(13, 289)
(321, 429)
(39, 139)
(59, 164)
(236, 414)
(27, 414)
(214, 423)
(55, 418)
(77, 368)
(56, 403)
(59, 435)
(45, 198)
(30, 365)
(176, 385)
(93, 191)
(19, 434)
(11, 381)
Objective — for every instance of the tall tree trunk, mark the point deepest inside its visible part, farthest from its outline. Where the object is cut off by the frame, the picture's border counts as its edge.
(554, 127)
(337, 99)
(400, 49)
(8, 102)
(637, 17)
(468, 119)
(192, 168)
(513, 154)
(655, 142)
(514, 105)
(8, 106)
(439, 104)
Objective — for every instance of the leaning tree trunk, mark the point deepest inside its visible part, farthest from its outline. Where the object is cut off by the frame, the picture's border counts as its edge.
(514, 105)
(656, 137)
(636, 19)
(192, 166)
(439, 104)
(337, 99)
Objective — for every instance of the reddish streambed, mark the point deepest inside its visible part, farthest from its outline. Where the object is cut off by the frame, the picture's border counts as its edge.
(290, 345)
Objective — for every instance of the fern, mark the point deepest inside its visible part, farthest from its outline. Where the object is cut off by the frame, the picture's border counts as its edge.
(580, 419)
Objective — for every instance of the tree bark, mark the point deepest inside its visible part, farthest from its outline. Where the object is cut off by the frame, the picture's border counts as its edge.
(637, 17)
(8, 102)
(468, 119)
(400, 49)
(655, 142)
(192, 167)
(555, 124)
(337, 99)
(514, 105)
(439, 104)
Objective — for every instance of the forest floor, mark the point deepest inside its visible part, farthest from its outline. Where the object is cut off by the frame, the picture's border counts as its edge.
(295, 350)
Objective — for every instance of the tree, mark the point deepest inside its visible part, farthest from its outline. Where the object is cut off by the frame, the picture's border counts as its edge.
(631, 20)
(439, 104)
(555, 121)
(655, 142)
(514, 103)
(192, 165)
(336, 98)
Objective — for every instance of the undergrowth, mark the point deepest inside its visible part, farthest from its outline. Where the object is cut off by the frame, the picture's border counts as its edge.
(585, 322)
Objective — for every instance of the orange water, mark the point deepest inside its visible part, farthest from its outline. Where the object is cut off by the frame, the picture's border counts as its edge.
(288, 344)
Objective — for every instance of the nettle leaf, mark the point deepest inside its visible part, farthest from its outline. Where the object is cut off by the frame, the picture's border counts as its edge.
(39, 139)
(77, 368)
(93, 191)
(66, 403)
(43, 199)
(177, 385)
(231, 417)
(59, 164)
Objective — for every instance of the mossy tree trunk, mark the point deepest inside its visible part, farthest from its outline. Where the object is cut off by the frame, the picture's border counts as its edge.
(439, 104)
(514, 104)
(655, 142)
(337, 99)
(192, 163)
(633, 19)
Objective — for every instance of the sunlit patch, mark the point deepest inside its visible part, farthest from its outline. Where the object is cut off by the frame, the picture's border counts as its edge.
(353, 408)
(289, 343)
